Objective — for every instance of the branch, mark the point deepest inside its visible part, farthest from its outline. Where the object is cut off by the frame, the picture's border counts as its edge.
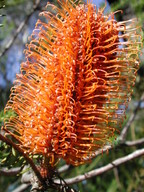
(29, 160)
(131, 119)
(10, 172)
(64, 168)
(103, 169)
(134, 143)
(20, 28)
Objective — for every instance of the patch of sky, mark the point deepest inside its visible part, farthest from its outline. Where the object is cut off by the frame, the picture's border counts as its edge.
(15, 55)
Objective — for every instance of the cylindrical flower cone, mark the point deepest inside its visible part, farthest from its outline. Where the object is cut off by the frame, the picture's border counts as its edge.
(74, 87)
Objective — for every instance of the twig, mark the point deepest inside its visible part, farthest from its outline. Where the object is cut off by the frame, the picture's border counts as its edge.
(63, 168)
(103, 169)
(21, 188)
(134, 143)
(131, 119)
(29, 160)
(10, 172)
(19, 29)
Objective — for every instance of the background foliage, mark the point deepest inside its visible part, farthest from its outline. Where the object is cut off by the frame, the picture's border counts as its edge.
(128, 177)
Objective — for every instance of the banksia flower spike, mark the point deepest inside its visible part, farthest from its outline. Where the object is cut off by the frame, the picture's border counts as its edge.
(73, 89)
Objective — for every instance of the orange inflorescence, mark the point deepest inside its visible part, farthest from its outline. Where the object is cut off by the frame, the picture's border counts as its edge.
(74, 87)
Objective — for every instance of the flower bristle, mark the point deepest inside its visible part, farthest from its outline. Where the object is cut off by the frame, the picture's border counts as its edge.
(76, 82)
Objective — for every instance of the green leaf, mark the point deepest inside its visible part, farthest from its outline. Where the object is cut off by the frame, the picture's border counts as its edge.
(13, 152)
(3, 160)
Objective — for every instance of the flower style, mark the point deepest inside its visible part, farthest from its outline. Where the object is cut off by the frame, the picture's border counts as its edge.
(73, 89)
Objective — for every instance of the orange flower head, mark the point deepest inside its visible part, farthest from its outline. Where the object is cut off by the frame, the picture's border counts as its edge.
(74, 87)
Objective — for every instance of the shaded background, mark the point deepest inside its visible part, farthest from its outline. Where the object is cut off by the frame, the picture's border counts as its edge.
(128, 177)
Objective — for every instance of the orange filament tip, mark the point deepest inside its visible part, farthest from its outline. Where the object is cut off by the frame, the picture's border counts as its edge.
(75, 84)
